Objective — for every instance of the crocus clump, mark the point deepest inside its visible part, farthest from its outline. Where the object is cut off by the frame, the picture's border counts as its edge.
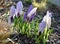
(46, 22)
(31, 29)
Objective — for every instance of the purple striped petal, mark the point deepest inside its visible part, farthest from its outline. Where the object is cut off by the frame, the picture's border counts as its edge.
(32, 12)
(32, 17)
(12, 10)
(29, 9)
(42, 26)
(25, 16)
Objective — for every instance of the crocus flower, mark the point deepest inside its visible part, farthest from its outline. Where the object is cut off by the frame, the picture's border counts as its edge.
(45, 22)
(47, 19)
(12, 12)
(30, 13)
(25, 14)
(19, 8)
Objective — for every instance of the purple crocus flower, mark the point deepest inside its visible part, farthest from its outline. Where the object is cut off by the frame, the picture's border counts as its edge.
(12, 13)
(30, 13)
(19, 8)
(12, 10)
(25, 14)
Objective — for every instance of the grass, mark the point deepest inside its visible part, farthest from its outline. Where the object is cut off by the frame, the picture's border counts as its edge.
(30, 29)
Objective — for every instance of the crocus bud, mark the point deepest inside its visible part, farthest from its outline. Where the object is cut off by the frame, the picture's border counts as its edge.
(46, 21)
(12, 13)
(29, 9)
(32, 12)
(19, 7)
(29, 15)
(12, 10)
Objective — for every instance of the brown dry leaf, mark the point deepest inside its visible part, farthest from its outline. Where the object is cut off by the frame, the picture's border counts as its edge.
(4, 29)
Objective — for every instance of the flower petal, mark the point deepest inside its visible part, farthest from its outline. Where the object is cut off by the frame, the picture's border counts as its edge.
(49, 14)
(30, 8)
(12, 10)
(19, 7)
(25, 16)
(32, 17)
(42, 26)
(16, 13)
(9, 19)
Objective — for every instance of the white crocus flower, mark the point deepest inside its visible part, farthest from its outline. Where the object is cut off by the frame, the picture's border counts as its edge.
(47, 19)
(45, 22)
